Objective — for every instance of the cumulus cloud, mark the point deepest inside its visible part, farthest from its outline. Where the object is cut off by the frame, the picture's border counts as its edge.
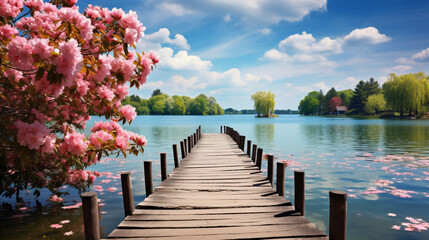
(182, 61)
(367, 35)
(180, 83)
(422, 55)
(307, 43)
(154, 40)
(274, 55)
(322, 85)
(255, 11)
(265, 31)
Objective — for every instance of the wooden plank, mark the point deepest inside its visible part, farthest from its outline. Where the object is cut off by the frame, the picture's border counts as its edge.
(216, 193)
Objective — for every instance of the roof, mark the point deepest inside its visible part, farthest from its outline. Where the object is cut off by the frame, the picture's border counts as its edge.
(341, 108)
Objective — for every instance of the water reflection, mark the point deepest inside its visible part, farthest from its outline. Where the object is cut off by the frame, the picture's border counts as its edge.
(264, 133)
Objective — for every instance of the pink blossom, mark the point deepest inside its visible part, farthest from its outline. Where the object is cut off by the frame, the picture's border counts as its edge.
(34, 4)
(112, 189)
(7, 31)
(10, 8)
(49, 145)
(140, 140)
(69, 60)
(14, 75)
(396, 227)
(55, 198)
(105, 93)
(129, 112)
(130, 36)
(75, 143)
(122, 142)
(130, 20)
(19, 53)
(65, 221)
(155, 58)
(41, 47)
(68, 233)
(122, 91)
(372, 190)
(98, 188)
(56, 225)
(383, 183)
(98, 136)
(401, 193)
(116, 13)
(391, 214)
(31, 135)
(77, 205)
(104, 68)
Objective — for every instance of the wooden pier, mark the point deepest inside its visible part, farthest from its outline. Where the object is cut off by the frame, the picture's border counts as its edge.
(216, 193)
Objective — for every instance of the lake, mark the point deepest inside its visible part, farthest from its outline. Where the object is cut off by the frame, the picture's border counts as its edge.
(382, 164)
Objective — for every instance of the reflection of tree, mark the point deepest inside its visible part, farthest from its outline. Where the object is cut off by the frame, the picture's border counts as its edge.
(407, 138)
(264, 133)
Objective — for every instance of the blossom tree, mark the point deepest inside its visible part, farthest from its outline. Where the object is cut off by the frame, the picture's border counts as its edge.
(58, 65)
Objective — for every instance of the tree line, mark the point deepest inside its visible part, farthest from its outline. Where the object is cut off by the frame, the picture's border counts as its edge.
(408, 93)
(163, 104)
(253, 111)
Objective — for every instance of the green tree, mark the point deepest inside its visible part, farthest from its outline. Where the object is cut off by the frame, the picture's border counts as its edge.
(156, 92)
(328, 97)
(179, 105)
(143, 110)
(264, 102)
(361, 93)
(375, 103)
(310, 104)
(158, 108)
(321, 98)
(407, 92)
(346, 96)
(169, 105)
(153, 100)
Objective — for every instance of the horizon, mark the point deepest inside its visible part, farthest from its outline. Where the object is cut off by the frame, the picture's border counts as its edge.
(231, 50)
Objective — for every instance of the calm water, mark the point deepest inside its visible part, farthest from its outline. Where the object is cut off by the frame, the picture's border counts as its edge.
(347, 154)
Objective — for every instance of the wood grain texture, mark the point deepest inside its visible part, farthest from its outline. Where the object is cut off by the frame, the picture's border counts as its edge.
(216, 193)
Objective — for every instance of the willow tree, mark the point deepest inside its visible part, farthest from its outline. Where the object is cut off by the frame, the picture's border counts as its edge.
(264, 103)
(409, 92)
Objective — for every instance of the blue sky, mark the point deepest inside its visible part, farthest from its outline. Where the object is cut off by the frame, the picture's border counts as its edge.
(231, 49)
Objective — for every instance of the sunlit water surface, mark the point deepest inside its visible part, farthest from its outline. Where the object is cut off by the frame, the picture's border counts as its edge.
(347, 154)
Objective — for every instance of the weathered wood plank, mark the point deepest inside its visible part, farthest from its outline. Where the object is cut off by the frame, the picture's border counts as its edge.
(216, 193)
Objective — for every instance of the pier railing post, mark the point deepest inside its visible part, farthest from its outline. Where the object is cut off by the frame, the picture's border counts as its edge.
(127, 193)
(254, 152)
(90, 215)
(185, 141)
(259, 158)
(194, 137)
(281, 178)
(270, 170)
(163, 158)
(243, 140)
(148, 180)
(249, 146)
(220, 128)
(189, 144)
(337, 215)
(299, 179)
(175, 155)
(224, 127)
(182, 149)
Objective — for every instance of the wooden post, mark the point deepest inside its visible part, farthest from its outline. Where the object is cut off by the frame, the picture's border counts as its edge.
(90, 215)
(254, 152)
(185, 141)
(198, 135)
(176, 157)
(270, 168)
(163, 157)
(243, 140)
(127, 193)
(182, 149)
(299, 178)
(249, 146)
(337, 215)
(199, 129)
(220, 128)
(189, 144)
(224, 128)
(148, 180)
(259, 158)
(192, 141)
(195, 138)
(281, 178)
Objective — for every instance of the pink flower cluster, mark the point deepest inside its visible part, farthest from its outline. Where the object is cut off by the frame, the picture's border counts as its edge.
(32, 135)
(10, 8)
(415, 224)
(74, 143)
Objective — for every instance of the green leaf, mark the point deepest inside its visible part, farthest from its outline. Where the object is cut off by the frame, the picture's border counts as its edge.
(40, 73)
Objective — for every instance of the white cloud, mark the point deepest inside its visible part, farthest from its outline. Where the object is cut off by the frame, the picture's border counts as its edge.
(274, 55)
(154, 84)
(322, 85)
(182, 61)
(261, 12)
(404, 60)
(180, 83)
(154, 40)
(227, 18)
(173, 9)
(422, 55)
(265, 31)
(306, 43)
(400, 69)
(367, 35)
